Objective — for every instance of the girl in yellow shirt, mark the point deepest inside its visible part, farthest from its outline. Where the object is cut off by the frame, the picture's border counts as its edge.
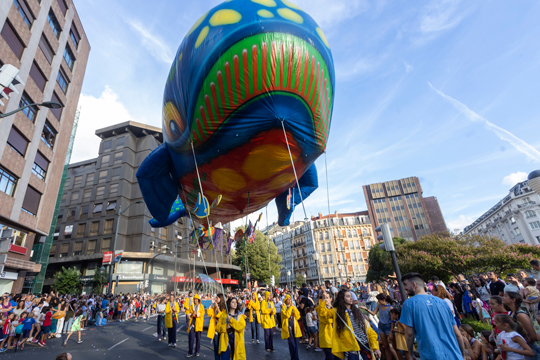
(289, 326)
(326, 324)
(268, 311)
(231, 328)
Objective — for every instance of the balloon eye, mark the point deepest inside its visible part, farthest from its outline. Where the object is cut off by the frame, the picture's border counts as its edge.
(172, 122)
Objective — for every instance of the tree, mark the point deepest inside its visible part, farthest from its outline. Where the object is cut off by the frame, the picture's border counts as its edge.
(68, 281)
(380, 263)
(99, 280)
(300, 279)
(257, 258)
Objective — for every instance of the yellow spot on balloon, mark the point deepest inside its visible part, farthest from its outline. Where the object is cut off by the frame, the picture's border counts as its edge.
(265, 13)
(202, 36)
(228, 180)
(290, 15)
(225, 17)
(291, 5)
(322, 36)
(269, 3)
(171, 114)
(281, 181)
(265, 161)
(197, 23)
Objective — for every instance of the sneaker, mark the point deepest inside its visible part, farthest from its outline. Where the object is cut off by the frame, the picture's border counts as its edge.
(58, 336)
(197, 354)
(80, 341)
(170, 345)
(65, 342)
(41, 343)
(35, 341)
(253, 341)
(174, 345)
(318, 349)
(159, 338)
(273, 350)
(189, 355)
(3, 349)
(258, 342)
(308, 347)
(267, 350)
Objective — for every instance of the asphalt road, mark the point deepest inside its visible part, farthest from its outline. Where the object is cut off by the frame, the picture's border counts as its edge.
(138, 340)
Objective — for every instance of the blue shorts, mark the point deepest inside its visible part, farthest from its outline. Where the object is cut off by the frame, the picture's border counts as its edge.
(312, 330)
(45, 329)
(26, 333)
(385, 328)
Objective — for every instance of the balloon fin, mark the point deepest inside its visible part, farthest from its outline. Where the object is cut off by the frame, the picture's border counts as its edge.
(201, 209)
(178, 210)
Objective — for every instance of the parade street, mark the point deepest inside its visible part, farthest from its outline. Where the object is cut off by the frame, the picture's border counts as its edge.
(138, 340)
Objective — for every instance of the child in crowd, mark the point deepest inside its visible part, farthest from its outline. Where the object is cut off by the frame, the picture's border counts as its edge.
(76, 326)
(469, 303)
(512, 340)
(5, 330)
(28, 327)
(46, 325)
(311, 323)
(489, 347)
(397, 336)
(531, 293)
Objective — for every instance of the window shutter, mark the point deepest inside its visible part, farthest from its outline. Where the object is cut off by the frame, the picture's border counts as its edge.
(31, 200)
(41, 161)
(13, 40)
(16, 140)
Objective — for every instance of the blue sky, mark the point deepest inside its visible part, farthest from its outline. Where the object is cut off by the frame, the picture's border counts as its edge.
(443, 90)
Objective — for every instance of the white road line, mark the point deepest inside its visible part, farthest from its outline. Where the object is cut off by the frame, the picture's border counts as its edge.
(147, 328)
(154, 334)
(112, 347)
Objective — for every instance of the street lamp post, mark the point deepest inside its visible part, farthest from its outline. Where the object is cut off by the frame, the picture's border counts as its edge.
(47, 104)
(339, 267)
(113, 260)
(316, 257)
(288, 282)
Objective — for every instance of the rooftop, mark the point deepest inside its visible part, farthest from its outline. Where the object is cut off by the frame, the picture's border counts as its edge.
(133, 127)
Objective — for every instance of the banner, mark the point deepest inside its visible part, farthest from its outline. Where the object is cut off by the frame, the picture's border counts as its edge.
(107, 257)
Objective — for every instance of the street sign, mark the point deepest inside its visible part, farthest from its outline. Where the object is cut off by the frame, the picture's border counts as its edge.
(248, 276)
(107, 257)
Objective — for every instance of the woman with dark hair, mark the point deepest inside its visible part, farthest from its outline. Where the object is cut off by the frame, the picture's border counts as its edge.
(481, 289)
(214, 311)
(385, 322)
(231, 328)
(352, 333)
(513, 300)
(290, 329)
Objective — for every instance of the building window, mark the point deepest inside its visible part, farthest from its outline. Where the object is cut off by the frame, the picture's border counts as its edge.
(91, 248)
(31, 201)
(107, 145)
(90, 179)
(74, 196)
(81, 228)
(13, 40)
(111, 207)
(353, 257)
(64, 249)
(53, 251)
(54, 24)
(70, 59)
(530, 213)
(115, 174)
(120, 142)
(118, 157)
(97, 208)
(30, 111)
(67, 183)
(517, 231)
(106, 245)
(63, 6)
(74, 35)
(328, 247)
(56, 112)
(113, 190)
(83, 212)
(163, 234)
(100, 191)
(48, 135)
(68, 230)
(70, 214)
(102, 176)
(108, 226)
(37, 75)
(87, 195)
(64, 197)
(77, 248)
(78, 181)
(8, 182)
(535, 225)
(94, 228)
(46, 48)
(62, 80)
(24, 11)
(105, 160)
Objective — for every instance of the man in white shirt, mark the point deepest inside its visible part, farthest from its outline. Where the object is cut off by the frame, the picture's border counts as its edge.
(513, 284)
(535, 272)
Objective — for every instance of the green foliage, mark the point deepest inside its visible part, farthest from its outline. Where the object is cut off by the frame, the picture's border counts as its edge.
(68, 281)
(257, 258)
(100, 279)
(478, 326)
(380, 263)
(300, 279)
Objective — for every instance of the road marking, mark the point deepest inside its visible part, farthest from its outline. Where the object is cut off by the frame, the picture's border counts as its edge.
(154, 334)
(147, 328)
(112, 347)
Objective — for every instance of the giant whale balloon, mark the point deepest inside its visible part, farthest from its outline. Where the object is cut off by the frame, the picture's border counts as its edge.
(251, 87)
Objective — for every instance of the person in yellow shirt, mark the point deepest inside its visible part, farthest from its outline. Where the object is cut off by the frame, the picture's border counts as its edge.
(214, 311)
(195, 315)
(254, 308)
(352, 334)
(290, 329)
(231, 328)
(326, 323)
(187, 304)
(268, 321)
(171, 319)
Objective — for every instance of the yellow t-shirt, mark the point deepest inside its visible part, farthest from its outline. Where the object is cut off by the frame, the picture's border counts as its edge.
(533, 291)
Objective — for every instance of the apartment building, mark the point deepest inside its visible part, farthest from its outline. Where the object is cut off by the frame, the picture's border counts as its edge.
(46, 41)
(95, 202)
(401, 205)
(514, 219)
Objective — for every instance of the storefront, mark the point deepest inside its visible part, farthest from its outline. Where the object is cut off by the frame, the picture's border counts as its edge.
(6, 281)
(159, 284)
(127, 283)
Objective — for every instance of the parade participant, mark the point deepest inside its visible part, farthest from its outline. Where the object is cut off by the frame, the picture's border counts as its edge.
(352, 335)
(254, 318)
(171, 319)
(196, 321)
(187, 304)
(428, 318)
(214, 311)
(512, 301)
(290, 329)
(160, 306)
(326, 323)
(268, 323)
(512, 339)
(231, 328)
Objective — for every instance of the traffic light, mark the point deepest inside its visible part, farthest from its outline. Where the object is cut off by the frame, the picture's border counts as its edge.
(146, 284)
(9, 77)
(388, 244)
(272, 280)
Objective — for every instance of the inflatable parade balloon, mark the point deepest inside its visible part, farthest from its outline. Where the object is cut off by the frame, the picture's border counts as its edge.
(251, 88)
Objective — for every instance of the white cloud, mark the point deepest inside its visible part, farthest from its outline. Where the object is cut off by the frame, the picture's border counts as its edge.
(156, 46)
(97, 113)
(408, 67)
(440, 15)
(514, 178)
(457, 225)
(501, 133)
(331, 13)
